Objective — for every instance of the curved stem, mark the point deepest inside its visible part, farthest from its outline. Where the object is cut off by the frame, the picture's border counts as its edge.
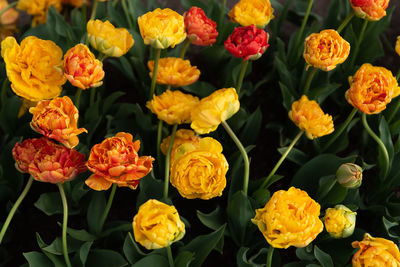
(94, 8)
(269, 256)
(303, 24)
(185, 47)
(108, 206)
(78, 97)
(154, 77)
(241, 75)
(222, 14)
(359, 40)
(159, 136)
(8, 7)
(64, 226)
(380, 144)
(281, 159)
(15, 207)
(167, 160)
(170, 257)
(309, 79)
(242, 150)
(84, 11)
(128, 17)
(345, 21)
(339, 131)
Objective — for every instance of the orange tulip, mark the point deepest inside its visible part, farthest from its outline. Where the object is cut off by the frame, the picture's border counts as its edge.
(47, 161)
(116, 160)
(57, 119)
(82, 68)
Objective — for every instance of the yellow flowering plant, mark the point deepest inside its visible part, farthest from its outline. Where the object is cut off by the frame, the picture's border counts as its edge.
(252, 12)
(31, 66)
(105, 38)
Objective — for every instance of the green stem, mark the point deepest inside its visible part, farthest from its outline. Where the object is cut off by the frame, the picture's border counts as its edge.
(167, 160)
(64, 226)
(15, 207)
(4, 92)
(185, 47)
(241, 75)
(8, 7)
(154, 77)
(92, 96)
(242, 150)
(128, 17)
(78, 97)
(309, 79)
(339, 131)
(84, 14)
(222, 14)
(398, 75)
(159, 136)
(269, 256)
(303, 24)
(94, 8)
(281, 159)
(380, 144)
(358, 43)
(345, 22)
(170, 257)
(108, 206)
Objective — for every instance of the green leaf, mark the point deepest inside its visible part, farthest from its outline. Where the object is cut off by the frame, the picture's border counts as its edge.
(81, 235)
(304, 255)
(243, 260)
(323, 258)
(388, 225)
(84, 252)
(95, 211)
(56, 246)
(325, 185)
(240, 212)
(288, 98)
(212, 220)
(36, 259)
(109, 100)
(202, 245)
(184, 259)
(308, 175)
(152, 260)
(131, 250)
(200, 88)
(149, 188)
(251, 128)
(105, 258)
(57, 261)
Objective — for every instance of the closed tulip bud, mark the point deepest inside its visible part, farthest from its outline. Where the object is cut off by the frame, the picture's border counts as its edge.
(340, 221)
(349, 175)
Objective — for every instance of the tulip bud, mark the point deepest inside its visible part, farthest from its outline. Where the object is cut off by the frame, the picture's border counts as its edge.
(340, 221)
(349, 175)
